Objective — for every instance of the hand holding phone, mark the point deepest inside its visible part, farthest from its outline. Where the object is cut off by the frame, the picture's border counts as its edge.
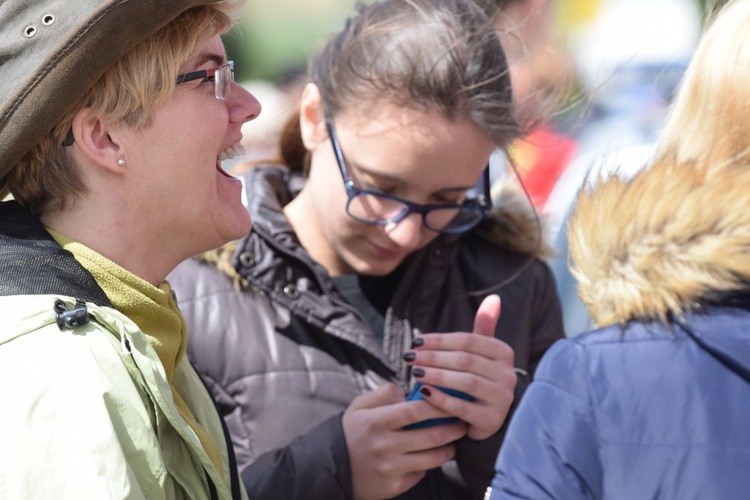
(416, 395)
(475, 361)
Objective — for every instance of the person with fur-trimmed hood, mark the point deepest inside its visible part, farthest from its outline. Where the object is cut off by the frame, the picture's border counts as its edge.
(374, 255)
(114, 118)
(655, 403)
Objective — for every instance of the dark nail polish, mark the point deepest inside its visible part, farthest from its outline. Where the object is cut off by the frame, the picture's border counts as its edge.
(425, 391)
(409, 356)
(417, 342)
(418, 372)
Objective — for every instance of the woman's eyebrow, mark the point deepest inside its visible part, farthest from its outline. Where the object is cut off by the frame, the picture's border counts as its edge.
(398, 180)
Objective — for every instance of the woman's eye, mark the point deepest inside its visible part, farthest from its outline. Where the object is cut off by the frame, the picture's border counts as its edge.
(450, 200)
(379, 189)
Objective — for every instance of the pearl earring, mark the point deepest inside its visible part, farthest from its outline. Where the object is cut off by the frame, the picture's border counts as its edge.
(121, 162)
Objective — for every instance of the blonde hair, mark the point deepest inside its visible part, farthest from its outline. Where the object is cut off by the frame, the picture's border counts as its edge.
(708, 124)
(676, 235)
(46, 179)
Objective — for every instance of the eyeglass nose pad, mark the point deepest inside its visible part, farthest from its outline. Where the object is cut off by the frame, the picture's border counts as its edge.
(406, 232)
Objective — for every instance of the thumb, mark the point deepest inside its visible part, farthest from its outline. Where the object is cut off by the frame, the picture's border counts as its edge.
(386, 394)
(487, 316)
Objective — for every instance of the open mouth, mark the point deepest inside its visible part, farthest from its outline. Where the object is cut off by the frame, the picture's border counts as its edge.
(229, 153)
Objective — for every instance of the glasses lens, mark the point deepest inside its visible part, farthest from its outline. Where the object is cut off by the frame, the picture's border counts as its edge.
(453, 220)
(223, 80)
(375, 209)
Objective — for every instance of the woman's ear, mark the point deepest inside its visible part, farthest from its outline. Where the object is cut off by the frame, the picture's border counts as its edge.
(312, 118)
(94, 138)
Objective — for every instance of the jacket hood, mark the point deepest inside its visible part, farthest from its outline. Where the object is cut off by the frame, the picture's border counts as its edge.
(513, 224)
(668, 240)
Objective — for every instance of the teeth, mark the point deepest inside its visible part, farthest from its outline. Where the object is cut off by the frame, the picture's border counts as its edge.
(231, 152)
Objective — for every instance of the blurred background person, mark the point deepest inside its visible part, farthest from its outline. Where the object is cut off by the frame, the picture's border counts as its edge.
(654, 404)
(543, 75)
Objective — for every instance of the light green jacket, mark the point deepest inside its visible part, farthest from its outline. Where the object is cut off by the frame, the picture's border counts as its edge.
(87, 413)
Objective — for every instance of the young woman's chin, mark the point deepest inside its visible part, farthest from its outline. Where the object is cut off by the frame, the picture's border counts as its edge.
(374, 266)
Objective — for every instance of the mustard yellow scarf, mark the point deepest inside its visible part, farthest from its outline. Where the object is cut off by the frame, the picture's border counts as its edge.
(155, 312)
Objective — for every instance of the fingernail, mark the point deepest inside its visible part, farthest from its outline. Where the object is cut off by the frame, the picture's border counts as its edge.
(418, 372)
(425, 391)
(409, 356)
(417, 342)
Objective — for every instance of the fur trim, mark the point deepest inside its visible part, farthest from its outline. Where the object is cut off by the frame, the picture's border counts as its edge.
(513, 224)
(656, 245)
(222, 258)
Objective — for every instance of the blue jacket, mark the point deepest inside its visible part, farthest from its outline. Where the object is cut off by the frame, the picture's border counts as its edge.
(655, 405)
(636, 412)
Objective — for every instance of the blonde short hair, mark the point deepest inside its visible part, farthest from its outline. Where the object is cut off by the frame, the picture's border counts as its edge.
(46, 179)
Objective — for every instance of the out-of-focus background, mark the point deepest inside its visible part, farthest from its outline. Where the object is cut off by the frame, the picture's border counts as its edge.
(278, 35)
(592, 38)
(596, 77)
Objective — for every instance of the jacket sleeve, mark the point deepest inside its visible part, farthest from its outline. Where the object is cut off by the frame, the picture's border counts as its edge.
(313, 466)
(550, 450)
(542, 327)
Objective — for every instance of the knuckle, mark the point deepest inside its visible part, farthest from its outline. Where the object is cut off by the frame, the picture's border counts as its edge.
(512, 381)
(379, 447)
(426, 358)
(386, 469)
(444, 454)
(441, 434)
(416, 412)
(507, 352)
(464, 361)
(464, 341)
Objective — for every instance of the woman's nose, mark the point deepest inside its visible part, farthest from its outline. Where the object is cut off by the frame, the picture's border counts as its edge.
(407, 233)
(243, 106)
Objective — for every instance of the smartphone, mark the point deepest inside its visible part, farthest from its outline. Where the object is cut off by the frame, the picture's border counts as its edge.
(415, 395)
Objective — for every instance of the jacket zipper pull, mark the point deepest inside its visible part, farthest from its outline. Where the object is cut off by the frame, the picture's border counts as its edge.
(71, 318)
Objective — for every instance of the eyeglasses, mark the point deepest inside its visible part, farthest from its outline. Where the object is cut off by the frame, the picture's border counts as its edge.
(379, 209)
(223, 76)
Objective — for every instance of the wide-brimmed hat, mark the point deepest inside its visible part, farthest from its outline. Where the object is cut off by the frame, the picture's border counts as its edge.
(53, 51)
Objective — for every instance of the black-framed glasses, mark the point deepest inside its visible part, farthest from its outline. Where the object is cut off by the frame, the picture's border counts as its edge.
(379, 209)
(223, 76)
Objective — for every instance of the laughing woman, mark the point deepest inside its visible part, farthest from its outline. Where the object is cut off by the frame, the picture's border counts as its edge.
(112, 118)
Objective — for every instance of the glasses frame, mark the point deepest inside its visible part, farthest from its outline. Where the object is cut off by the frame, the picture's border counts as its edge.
(219, 75)
(482, 203)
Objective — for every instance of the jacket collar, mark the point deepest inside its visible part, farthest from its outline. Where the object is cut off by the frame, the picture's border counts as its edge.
(723, 330)
(272, 260)
(663, 243)
(32, 263)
